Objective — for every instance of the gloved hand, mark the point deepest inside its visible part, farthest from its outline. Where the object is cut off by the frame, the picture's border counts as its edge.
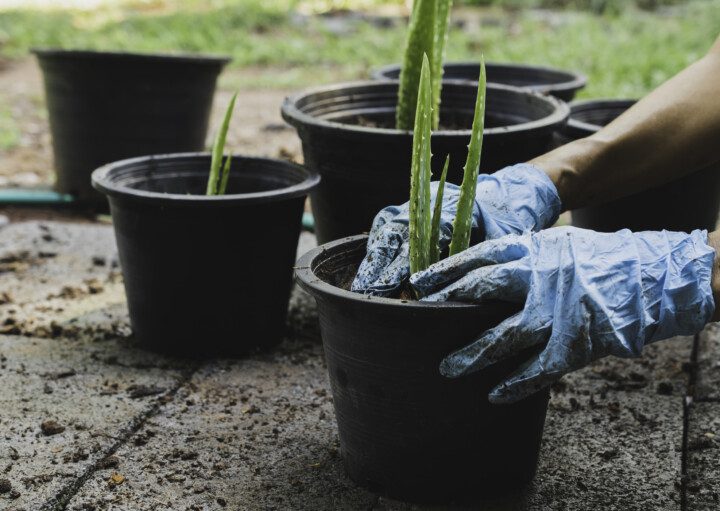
(586, 295)
(513, 200)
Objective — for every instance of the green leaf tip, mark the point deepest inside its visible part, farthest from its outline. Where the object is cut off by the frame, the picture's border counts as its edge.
(463, 218)
(216, 182)
(437, 212)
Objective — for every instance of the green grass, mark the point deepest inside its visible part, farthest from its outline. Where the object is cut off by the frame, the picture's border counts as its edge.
(9, 129)
(624, 55)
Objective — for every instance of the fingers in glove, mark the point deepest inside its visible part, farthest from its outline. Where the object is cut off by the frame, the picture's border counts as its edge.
(507, 339)
(393, 275)
(506, 282)
(566, 351)
(528, 380)
(440, 274)
(383, 247)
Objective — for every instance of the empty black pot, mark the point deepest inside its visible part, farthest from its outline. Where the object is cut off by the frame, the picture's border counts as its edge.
(545, 80)
(689, 203)
(108, 106)
(405, 430)
(348, 137)
(206, 275)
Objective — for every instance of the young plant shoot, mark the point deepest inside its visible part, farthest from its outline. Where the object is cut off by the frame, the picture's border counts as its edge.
(427, 35)
(424, 228)
(463, 217)
(420, 175)
(217, 181)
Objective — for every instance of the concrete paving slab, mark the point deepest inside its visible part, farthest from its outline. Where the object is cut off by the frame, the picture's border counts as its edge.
(703, 457)
(703, 436)
(707, 384)
(259, 433)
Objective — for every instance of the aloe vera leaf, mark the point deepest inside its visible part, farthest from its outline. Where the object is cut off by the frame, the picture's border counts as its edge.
(420, 175)
(442, 22)
(225, 176)
(437, 211)
(420, 40)
(463, 218)
(218, 150)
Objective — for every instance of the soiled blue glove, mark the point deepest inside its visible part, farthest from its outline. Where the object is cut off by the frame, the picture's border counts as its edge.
(513, 200)
(586, 294)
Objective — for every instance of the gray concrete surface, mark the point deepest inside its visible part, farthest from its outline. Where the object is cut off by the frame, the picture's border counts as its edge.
(134, 430)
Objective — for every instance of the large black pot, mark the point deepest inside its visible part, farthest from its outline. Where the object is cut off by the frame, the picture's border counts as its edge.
(692, 202)
(545, 80)
(348, 137)
(405, 430)
(108, 106)
(206, 275)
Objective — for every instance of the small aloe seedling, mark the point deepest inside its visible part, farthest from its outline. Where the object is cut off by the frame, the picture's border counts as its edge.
(427, 35)
(424, 226)
(217, 181)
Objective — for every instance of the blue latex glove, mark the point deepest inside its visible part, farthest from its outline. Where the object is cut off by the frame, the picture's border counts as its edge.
(586, 295)
(513, 200)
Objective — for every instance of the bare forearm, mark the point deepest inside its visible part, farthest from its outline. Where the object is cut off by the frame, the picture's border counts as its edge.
(673, 131)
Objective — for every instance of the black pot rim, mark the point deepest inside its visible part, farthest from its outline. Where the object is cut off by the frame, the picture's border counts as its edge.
(574, 80)
(307, 279)
(131, 56)
(575, 106)
(294, 116)
(101, 182)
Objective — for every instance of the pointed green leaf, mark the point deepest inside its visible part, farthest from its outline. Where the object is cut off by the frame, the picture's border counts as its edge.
(420, 41)
(463, 218)
(420, 174)
(219, 149)
(442, 23)
(437, 211)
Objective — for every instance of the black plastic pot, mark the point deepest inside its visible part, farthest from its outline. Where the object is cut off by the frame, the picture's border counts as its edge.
(108, 106)
(365, 165)
(405, 430)
(545, 80)
(206, 275)
(692, 202)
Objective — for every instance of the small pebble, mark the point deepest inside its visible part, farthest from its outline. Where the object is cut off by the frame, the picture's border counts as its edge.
(51, 428)
(5, 486)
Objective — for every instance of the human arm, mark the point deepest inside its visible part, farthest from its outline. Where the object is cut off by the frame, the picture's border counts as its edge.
(671, 132)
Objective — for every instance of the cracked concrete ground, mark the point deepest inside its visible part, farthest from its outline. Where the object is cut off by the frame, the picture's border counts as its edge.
(91, 421)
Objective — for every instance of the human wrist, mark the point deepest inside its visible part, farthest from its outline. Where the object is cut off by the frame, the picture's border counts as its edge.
(568, 167)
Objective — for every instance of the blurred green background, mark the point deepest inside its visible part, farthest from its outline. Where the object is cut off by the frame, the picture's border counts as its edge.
(625, 47)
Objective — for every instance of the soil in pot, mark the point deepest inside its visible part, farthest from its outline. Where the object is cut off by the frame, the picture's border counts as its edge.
(347, 137)
(206, 275)
(692, 202)
(545, 80)
(106, 106)
(405, 430)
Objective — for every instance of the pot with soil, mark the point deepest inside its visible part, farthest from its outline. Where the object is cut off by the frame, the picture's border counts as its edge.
(692, 202)
(348, 137)
(106, 106)
(405, 430)
(206, 275)
(544, 80)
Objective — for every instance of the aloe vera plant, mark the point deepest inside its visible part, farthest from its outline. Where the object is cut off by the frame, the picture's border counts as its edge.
(217, 181)
(427, 35)
(424, 227)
